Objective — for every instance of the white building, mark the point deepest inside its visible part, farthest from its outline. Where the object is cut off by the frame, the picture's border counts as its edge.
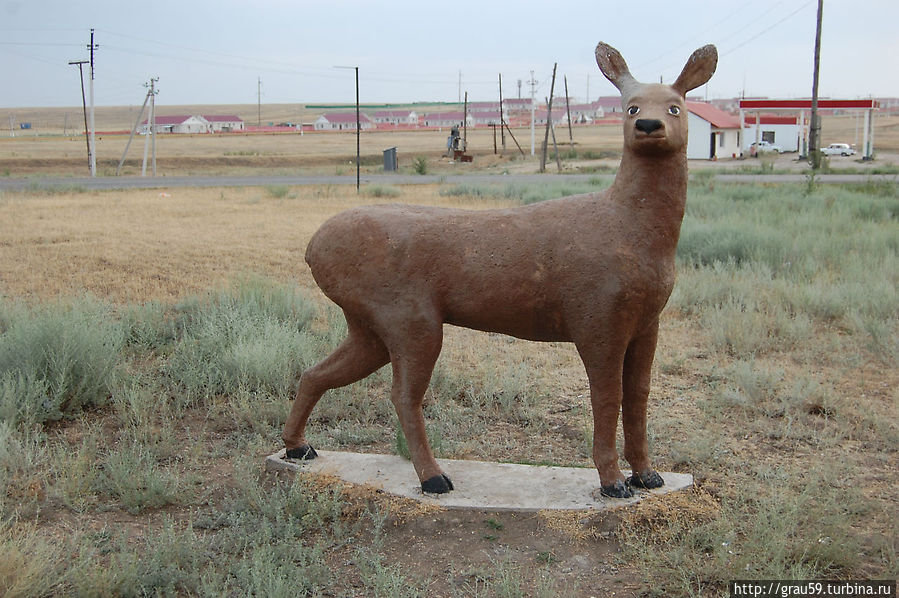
(342, 121)
(447, 119)
(780, 130)
(713, 133)
(224, 123)
(586, 113)
(396, 117)
(184, 123)
(485, 117)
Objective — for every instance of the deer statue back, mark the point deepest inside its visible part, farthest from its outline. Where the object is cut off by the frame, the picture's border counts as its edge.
(595, 270)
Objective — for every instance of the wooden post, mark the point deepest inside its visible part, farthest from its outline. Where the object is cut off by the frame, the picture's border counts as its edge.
(518, 145)
(556, 148)
(814, 141)
(549, 117)
(502, 132)
(568, 111)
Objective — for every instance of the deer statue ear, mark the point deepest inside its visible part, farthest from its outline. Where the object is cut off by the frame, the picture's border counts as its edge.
(613, 66)
(698, 70)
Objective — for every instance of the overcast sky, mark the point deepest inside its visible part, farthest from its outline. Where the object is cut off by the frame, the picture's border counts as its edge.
(206, 52)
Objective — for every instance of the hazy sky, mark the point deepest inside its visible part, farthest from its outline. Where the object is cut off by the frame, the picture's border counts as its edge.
(206, 52)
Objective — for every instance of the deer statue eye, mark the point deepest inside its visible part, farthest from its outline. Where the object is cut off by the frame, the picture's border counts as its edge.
(633, 110)
(674, 110)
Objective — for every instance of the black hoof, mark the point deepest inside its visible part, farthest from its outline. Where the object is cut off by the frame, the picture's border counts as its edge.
(439, 484)
(616, 490)
(303, 453)
(646, 479)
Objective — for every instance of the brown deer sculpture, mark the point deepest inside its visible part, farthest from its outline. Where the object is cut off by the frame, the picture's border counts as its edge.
(595, 270)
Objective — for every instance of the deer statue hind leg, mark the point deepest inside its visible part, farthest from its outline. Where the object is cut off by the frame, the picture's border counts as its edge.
(360, 354)
(636, 381)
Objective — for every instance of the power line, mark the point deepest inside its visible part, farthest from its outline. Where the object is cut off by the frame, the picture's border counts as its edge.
(766, 30)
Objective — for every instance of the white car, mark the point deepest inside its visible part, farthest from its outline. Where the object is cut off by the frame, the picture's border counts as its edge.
(763, 147)
(838, 149)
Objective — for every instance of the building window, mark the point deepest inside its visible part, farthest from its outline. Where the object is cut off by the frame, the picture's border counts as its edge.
(768, 136)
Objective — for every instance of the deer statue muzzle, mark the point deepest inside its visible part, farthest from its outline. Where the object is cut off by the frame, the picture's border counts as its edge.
(594, 270)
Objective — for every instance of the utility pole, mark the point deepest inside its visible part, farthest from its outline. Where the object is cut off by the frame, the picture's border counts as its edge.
(533, 84)
(134, 129)
(519, 88)
(151, 128)
(87, 139)
(93, 141)
(814, 141)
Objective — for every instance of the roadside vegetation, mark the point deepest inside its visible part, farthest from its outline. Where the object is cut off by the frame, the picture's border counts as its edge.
(132, 433)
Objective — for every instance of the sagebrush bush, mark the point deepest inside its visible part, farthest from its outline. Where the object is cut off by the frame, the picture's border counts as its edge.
(383, 191)
(57, 359)
(251, 336)
(765, 267)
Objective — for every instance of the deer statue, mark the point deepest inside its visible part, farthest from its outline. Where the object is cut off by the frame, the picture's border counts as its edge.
(594, 269)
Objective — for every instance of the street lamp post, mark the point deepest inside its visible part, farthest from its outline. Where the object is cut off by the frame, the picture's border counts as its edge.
(358, 124)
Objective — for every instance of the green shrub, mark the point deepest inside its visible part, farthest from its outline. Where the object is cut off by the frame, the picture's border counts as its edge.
(420, 165)
(765, 266)
(132, 476)
(383, 191)
(277, 191)
(252, 336)
(31, 564)
(57, 359)
(525, 193)
(23, 458)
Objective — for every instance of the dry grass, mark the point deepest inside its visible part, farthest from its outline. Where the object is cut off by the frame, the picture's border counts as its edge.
(793, 448)
(137, 246)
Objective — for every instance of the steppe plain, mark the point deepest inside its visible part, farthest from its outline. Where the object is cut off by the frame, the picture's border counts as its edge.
(775, 386)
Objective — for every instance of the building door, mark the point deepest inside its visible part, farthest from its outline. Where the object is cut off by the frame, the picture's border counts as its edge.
(712, 147)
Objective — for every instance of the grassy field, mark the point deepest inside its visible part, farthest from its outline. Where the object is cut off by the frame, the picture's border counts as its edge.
(150, 342)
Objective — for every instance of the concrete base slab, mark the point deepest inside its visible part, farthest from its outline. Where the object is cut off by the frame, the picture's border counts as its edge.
(478, 484)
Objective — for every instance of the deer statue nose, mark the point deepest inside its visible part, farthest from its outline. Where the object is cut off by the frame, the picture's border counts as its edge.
(648, 125)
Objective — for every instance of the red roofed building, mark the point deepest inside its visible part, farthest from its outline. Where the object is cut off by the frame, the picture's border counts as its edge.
(785, 131)
(185, 123)
(447, 119)
(396, 117)
(342, 121)
(224, 123)
(713, 133)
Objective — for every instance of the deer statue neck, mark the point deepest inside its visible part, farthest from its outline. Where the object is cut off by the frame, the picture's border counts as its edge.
(653, 182)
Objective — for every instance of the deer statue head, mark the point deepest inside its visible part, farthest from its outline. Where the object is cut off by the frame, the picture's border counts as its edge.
(655, 114)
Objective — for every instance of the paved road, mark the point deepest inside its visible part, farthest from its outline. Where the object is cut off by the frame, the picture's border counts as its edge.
(132, 182)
